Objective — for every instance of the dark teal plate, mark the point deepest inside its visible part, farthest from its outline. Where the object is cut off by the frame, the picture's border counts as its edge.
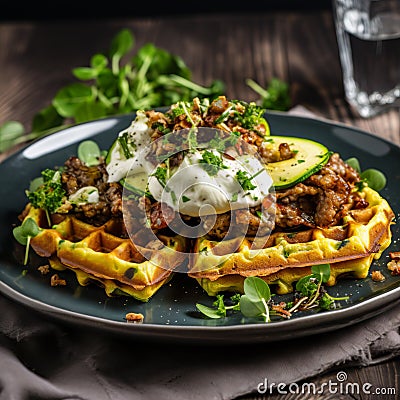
(171, 314)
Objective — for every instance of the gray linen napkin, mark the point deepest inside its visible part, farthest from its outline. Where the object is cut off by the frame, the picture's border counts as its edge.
(41, 358)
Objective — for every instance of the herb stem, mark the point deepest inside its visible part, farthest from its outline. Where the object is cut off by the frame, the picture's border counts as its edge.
(182, 103)
(257, 88)
(317, 293)
(190, 85)
(48, 217)
(266, 314)
(297, 305)
(28, 241)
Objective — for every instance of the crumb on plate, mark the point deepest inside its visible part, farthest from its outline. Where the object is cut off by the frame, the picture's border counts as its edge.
(56, 281)
(44, 269)
(136, 318)
(377, 276)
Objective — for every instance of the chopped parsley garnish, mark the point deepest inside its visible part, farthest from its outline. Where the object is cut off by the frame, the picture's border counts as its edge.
(211, 163)
(249, 115)
(49, 194)
(244, 179)
(185, 199)
(161, 175)
(220, 144)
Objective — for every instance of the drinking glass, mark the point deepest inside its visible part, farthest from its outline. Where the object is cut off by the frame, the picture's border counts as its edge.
(368, 36)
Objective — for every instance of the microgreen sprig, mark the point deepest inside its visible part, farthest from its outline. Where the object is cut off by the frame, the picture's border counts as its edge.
(253, 303)
(151, 78)
(256, 302)
(312, 292)
(23, 234)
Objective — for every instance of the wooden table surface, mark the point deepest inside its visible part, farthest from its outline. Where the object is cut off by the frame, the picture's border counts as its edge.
(36, 59)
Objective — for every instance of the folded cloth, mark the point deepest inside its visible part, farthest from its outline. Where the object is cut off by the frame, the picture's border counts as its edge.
(42, 358)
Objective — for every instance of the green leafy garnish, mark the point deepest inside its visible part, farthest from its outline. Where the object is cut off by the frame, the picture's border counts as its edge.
(211, 163)
(161, 175)
(23, 234)
(250, 116)
(219, 310)
(372, 177)
(49, 194)
(10, 134)
(89, 152)
(244, 179)
(150, 78)
(254, 302)
(375, 179)
(275, 96)
(312, 292)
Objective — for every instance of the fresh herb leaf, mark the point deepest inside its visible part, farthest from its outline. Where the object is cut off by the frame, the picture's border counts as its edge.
(161, 175)
(244, 179)
(23, 234)
(256, 289)
(375, 179)
(323, 271)
(48, 196)
(11, 133)
(210, 312)
(220, 308)
(151, 78)
(354, 163)
(89, 152)
(252, 309)
(211, 162)
(276, 96)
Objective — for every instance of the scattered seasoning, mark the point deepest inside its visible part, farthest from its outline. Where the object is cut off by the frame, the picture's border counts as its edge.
(56, 281)
(135, 318)
(44, 269)
(377, 276)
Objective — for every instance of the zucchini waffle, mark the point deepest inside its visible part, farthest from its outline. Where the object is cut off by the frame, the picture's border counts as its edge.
(101, 254)
(350, 248)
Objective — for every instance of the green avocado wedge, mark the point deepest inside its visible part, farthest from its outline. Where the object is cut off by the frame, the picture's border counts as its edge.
(309, 157)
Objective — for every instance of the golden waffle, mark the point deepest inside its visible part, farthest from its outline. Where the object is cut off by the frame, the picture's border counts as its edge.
(99, 253)
(286, 257)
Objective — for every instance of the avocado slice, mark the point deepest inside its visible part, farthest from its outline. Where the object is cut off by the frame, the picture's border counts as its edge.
(309, 158)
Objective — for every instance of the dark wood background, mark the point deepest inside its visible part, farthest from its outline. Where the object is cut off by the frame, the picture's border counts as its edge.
(37, 53)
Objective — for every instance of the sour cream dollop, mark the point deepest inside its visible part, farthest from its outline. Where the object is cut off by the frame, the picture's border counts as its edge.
(192, 188)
